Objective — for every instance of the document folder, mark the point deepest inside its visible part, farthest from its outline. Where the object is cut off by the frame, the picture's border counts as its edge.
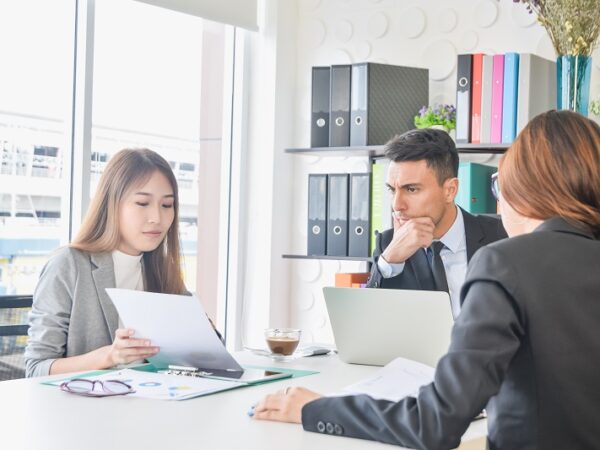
(463, 98)
(317, 215)
(339, 129)
(359, 233)
(497, 98)
(384, 101)
(509, 97)
(337, 215)
(486, 99)
(319, 128)
(474, 188)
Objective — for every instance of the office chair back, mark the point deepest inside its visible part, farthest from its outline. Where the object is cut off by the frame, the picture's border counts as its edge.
(13, 334)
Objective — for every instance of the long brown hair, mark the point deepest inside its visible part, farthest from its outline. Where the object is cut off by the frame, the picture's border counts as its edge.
(99, 231)
(553, 169)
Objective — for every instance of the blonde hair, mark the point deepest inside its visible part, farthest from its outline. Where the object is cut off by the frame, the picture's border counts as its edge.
(553, 169)
(99, 231)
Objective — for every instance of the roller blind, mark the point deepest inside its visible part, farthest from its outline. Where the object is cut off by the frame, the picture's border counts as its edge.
(241, 13)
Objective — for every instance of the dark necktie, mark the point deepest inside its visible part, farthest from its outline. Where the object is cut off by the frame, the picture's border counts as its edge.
(437, 266)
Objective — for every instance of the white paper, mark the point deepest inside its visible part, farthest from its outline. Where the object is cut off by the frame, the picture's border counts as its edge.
(175, 323)
(400, 378)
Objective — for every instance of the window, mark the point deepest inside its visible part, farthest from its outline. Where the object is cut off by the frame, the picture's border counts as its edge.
(146, 94)
(36, 92)
(158, 81)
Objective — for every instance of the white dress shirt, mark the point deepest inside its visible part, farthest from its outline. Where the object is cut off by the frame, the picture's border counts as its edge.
(454, 257)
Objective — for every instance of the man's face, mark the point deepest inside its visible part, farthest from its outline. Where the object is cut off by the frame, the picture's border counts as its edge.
(417, 193)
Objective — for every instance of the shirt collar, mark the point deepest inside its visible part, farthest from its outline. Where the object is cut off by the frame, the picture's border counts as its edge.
(455, 235)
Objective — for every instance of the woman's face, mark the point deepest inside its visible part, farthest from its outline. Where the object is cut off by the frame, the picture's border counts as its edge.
(145, 215)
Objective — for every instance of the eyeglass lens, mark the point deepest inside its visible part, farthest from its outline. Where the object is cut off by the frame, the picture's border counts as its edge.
(495, 186)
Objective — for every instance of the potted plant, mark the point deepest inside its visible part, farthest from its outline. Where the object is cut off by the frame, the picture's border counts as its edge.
(437, 116)
(573, 27)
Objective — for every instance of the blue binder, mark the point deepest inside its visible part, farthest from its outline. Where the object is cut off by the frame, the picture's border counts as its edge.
(510, 97)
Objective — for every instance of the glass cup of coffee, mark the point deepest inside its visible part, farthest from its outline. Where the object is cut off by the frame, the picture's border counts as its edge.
(282, 341)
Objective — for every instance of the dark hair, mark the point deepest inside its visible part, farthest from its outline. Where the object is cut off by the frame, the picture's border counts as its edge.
(552, 169)
(436, 147)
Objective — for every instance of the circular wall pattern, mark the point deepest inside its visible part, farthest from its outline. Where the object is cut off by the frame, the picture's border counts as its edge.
(309, 269)
(469, 40)
(438, 100)
(447, 20)
(321, 321)
(341, 56)
(310, 5)
(440, 58)
(412, 22)
(486, 13)
(377, 26)
(521, 16)
(363, 50)
(379, 60)
(343, 30)
(306, 301)
(315, 33)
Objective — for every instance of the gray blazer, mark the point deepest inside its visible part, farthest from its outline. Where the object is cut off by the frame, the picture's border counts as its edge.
(525, 344)
(72, 313)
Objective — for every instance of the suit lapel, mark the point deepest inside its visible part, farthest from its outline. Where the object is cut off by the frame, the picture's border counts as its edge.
(473, 232)
(104, 277)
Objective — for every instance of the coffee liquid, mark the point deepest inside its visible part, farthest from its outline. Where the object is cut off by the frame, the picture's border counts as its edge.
(282, 345)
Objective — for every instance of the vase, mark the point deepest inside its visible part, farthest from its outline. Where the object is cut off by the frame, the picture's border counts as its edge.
(573, 74)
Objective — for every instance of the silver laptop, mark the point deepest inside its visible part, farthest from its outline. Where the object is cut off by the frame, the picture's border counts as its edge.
(374, 326)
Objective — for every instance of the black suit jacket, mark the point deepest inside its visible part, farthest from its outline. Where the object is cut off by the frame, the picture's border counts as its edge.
(527, 338)
(479, 231)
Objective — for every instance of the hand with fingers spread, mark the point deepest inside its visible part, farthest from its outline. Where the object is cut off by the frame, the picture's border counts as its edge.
(284, 406)
(409, 236)
(126, 348)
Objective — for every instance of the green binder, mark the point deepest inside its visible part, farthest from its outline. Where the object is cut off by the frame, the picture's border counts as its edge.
(474, 188)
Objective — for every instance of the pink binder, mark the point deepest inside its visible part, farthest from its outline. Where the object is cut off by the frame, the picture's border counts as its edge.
(497, 93)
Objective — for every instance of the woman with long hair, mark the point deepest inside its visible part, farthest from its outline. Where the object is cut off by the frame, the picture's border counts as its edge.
(525, 346)
(128, 239)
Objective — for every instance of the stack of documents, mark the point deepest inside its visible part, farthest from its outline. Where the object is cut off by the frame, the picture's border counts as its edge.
(400, 378)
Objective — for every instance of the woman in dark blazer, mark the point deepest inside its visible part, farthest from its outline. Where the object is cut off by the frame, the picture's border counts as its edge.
(526, 344)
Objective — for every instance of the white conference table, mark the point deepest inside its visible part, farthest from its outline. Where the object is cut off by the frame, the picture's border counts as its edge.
(35, 416)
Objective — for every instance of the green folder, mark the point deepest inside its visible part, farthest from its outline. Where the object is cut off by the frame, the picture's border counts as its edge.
(474, 188)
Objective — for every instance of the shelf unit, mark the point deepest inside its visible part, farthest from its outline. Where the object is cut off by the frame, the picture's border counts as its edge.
(334, 258)
(376, 151)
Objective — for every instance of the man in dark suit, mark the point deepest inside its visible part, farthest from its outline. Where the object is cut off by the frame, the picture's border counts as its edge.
(432, 240)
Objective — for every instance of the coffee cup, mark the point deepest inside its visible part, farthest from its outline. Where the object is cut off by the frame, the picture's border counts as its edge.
(282, 341)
